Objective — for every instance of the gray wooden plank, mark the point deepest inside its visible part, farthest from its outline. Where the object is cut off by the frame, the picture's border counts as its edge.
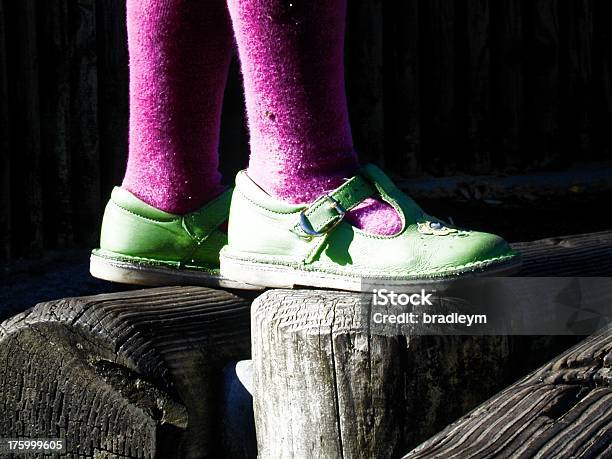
(577, 255)
(563, 409)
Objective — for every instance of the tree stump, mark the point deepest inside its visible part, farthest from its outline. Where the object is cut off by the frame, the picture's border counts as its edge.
(563, 409)
(132, 374)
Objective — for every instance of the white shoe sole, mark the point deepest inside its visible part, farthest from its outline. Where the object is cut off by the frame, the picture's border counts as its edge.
(155, 276)
(281, 276)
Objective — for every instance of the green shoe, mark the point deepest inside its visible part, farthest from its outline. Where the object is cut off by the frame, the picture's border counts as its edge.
(142, 245)
(276, 244)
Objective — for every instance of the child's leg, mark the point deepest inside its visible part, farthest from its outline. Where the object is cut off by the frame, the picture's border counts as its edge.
(292, 61)
(179, 55)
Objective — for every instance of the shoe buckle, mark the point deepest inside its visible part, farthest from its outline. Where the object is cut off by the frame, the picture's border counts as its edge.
(306, 226)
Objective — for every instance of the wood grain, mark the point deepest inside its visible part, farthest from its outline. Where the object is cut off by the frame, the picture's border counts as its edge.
(578, 255)
(325, 387)
(322, 388)
(131, 374)
(563, 409)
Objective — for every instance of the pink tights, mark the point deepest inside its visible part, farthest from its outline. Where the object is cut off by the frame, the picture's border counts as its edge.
(291, 54)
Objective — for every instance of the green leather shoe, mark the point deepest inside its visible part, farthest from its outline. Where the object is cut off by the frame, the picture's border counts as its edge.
(276, 244)
(142, 245)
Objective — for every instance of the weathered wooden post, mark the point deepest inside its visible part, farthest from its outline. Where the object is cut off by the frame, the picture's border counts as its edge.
(131, 374)
(326, 386)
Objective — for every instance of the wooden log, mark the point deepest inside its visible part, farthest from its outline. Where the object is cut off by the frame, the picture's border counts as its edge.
(326, 385)
(578, 255)
(564, 409)
(132, 374)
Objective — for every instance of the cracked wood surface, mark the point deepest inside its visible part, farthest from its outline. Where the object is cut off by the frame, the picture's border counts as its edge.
(324, 387)
(131, 374)
(563, 409)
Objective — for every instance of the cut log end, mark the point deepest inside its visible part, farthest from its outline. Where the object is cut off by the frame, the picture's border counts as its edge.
(325, 387)
(135, 374)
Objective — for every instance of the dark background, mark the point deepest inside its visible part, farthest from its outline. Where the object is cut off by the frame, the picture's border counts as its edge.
(436, 88)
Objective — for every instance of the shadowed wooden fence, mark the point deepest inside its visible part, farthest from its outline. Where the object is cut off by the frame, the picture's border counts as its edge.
(435, 87)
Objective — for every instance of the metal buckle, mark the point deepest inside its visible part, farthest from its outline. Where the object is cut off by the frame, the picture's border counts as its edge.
(307, 227)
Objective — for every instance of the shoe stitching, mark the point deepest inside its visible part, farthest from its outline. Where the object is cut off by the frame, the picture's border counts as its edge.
(311, 269)
(143, 217)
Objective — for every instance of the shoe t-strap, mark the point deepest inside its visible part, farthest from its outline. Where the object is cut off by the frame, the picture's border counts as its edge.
(201, 223)
(329, 209)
